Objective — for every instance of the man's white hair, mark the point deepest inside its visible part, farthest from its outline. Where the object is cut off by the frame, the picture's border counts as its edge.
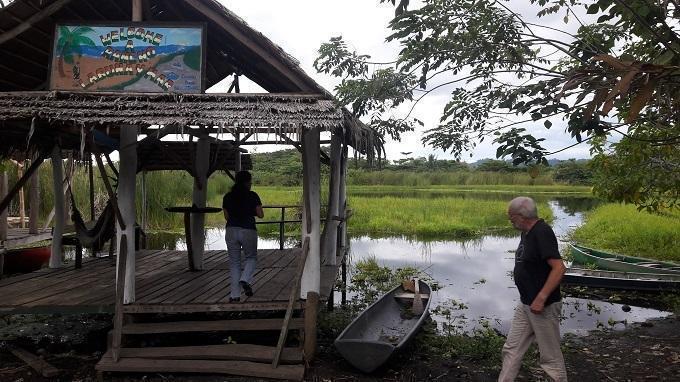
(524, 206)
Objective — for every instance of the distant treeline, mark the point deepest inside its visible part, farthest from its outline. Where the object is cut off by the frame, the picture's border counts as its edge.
(284, 168)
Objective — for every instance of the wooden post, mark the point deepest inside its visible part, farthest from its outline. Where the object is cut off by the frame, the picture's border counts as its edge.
(90, 176)
(34, 203)
(311, 310)
(198, 199)
(282, 226)
(116, 339)
(58, 230)
(343, 272)
(237, 161)
(329, 243)
(70, 167)
(144, 202)
(126, 203)
(137, 10)
(22, 201)
(311, 221)
(291, 303)
(342, 204)
(2, 262)
(3, 214)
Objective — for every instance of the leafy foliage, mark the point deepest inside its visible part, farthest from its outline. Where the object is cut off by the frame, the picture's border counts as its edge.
(617, 74)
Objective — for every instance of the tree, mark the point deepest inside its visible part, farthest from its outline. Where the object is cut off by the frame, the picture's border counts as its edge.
(69, 43)
(573, 172)
(617, 74)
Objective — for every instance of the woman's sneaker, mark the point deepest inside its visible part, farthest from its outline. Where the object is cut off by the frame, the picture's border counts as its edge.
(246, 288)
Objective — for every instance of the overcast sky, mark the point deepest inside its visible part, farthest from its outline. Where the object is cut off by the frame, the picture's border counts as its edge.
(301, 26)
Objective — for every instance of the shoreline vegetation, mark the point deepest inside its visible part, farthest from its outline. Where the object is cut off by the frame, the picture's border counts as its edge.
(422, 198)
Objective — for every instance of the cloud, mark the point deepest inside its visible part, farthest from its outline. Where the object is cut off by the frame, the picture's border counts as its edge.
(301, 26)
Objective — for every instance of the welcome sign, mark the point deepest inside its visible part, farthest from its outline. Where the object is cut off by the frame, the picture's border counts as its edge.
(130, 57)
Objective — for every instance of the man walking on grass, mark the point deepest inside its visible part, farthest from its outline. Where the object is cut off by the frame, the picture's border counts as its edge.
(538, 272)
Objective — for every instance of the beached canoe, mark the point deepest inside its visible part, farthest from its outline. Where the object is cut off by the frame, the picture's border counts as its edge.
(613, 262)
(384, 327)
(621, 280)
(24, 260)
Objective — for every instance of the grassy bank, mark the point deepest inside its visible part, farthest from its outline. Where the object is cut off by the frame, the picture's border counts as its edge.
(622, 229)
(395, 211)
(444, 217)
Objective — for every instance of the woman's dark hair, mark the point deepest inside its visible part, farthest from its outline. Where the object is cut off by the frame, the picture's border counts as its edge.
(242, 179)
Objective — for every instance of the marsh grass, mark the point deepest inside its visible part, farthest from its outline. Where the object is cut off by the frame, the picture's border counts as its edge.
(445, 217)
(450, 178)
(622, 229)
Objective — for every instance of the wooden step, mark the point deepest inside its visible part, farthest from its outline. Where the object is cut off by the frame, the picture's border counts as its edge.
(210, 326)
(243, 368)
(234, 352)
(410, 296)
(247, 306)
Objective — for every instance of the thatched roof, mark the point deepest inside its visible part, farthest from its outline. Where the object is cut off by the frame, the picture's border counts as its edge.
(26, 34)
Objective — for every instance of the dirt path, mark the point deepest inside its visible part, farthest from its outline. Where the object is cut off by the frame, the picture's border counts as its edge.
(643, 352)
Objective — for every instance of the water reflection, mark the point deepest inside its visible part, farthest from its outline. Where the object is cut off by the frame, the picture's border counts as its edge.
(475, 273)
(478, 275)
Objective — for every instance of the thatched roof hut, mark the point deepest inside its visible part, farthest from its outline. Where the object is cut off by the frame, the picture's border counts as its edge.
(233, 48)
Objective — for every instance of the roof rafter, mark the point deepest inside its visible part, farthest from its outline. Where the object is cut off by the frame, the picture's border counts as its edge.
(26, 25)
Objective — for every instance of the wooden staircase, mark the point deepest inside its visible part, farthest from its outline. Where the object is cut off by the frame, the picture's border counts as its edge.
(243, 359)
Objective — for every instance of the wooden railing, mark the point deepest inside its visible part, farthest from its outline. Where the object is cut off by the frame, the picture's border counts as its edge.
(282, 222)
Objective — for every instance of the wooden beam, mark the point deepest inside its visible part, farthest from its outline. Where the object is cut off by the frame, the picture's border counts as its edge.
(34, 204)
(18, 73)
(52, 8)
(292, 298)
(137, 10)
(121, 267)
(3, 213)
(94, 9)
(20, 183)
(57, 186)
(36, 363)
(26, 59)
(220, 20)
(311, 309)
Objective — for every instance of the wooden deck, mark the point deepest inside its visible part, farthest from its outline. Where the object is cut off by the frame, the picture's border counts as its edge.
(163, 284)
(20, 236)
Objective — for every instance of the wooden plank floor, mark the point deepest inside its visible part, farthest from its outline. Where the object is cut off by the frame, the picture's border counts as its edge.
(20, 236)
(163, 284)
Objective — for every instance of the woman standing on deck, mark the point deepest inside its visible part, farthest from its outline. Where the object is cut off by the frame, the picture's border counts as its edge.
(240, 206)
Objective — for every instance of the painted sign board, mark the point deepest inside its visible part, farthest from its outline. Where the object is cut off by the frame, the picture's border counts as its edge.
(128, 57)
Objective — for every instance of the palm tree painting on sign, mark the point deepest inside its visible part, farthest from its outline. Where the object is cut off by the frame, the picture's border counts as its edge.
(69, 44)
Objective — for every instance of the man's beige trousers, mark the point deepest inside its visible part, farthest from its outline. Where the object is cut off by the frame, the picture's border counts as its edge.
(528, 327)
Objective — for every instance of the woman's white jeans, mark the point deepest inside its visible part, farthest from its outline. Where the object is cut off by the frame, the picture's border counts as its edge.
(238, 239)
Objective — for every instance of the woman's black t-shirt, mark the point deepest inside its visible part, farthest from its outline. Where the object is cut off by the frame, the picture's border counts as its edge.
(241, 209)
(531, 266)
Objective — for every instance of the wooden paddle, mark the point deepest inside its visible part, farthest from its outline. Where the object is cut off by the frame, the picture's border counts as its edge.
(417, 300)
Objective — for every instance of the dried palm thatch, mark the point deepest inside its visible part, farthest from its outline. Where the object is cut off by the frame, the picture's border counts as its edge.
(278, 114)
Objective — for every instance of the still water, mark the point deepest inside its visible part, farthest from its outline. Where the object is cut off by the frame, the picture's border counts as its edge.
(474, 273)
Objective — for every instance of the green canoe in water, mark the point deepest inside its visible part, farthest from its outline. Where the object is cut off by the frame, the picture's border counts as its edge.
(613, 262)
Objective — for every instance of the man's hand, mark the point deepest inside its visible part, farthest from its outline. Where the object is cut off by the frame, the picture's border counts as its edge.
(537, 305)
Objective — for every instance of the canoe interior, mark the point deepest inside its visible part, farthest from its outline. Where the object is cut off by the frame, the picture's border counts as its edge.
(381, 329)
